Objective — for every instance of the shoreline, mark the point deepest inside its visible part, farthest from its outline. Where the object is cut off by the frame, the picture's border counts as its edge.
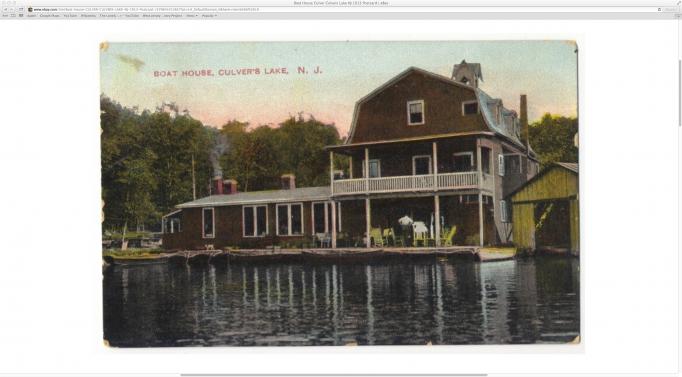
(476, 253)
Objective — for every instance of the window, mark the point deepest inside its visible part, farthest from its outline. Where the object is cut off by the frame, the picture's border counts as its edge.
(208, 222)
(421, 165)
(415, 112)
(322, 217)
(463, 161)
(290, 219)
(500, 164)
(512, 164)
(296, 218)
(172, 225)
(504, 212)
(255, 221)
(470, 108)
(485, 160)
(374, 169)
(319, 218)
(175, 225)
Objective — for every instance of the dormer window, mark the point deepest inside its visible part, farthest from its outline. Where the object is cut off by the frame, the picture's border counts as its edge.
(415, 113)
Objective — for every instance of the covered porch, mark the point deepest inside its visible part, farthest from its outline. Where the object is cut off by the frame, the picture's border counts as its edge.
(448, 163)
(416, 221)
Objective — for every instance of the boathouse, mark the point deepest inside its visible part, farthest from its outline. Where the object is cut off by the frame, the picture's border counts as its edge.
(431, 160)
(545, 211)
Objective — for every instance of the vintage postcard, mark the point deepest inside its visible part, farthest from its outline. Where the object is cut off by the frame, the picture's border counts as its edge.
(340, 193)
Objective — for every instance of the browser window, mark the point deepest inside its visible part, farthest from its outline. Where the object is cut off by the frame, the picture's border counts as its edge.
(337, 188)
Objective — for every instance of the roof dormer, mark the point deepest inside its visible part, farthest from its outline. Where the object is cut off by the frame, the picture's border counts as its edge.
(467, 73)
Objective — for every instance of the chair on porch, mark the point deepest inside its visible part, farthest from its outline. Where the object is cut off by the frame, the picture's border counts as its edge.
(387, 234)
(396, 240)
(448, 235)
(323, 239)
(376, 237)
(421, 234)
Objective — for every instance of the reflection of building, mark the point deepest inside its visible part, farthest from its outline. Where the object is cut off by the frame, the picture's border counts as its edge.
(545, 210)
(495, 299)
(437, 149)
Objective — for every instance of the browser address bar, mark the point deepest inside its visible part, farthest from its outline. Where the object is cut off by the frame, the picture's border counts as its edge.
(353, 8)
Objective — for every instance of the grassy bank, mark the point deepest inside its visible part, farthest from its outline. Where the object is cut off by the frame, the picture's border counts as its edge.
(132, 253)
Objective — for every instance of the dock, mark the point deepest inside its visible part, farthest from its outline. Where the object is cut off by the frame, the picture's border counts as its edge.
(477, 253)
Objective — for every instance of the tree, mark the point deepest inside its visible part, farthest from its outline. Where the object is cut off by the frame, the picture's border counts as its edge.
(259, 156)
(177, 141)
(302, 148)
(152, 161)
(552, 138)
(137, 183)
(156, 158)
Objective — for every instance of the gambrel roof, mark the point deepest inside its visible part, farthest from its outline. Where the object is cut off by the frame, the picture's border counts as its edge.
(486, 105)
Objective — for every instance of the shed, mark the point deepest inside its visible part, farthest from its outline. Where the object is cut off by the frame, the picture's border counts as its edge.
(545, 211)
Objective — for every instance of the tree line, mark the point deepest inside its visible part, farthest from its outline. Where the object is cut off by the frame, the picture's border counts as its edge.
(553, 139)
(154, 160)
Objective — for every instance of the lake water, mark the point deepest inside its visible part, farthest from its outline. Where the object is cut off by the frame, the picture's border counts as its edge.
(442, 301)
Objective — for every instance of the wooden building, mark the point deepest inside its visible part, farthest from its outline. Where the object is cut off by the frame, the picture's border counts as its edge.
(437, 150)
(546, 210)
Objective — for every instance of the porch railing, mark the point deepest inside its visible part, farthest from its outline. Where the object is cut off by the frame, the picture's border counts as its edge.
(448, 181)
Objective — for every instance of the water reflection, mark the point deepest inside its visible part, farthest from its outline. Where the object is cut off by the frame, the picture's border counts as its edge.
(410, 302)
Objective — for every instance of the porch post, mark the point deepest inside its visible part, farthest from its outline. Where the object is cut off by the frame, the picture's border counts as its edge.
(436, 198)
(331, 172)
(436, 205)
(366, 169)
(435, 165)
(368, 217)
(479, 163)
(333, 203)
(350, 166)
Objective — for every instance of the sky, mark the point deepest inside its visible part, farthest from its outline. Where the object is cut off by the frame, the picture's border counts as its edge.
(131, 73)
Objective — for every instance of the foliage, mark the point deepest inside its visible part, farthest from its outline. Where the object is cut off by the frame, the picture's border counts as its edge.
(258, 157)
(147, 163)
(552, 138)
(152, 161)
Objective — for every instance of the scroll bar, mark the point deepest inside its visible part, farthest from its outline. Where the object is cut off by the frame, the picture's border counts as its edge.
(679, 93)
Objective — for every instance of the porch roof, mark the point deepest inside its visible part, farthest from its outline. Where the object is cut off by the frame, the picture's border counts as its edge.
(348, 147)
(262, 197)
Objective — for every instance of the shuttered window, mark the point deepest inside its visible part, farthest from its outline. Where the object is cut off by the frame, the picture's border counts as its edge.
(500, 163)
(504, 211)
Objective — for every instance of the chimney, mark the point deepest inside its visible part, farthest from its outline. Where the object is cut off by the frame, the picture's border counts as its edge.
(288, 181)
(229, 186)
(523, 118)
(217, 186)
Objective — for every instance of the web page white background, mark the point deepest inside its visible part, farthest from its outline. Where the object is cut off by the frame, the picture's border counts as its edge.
(50, 274)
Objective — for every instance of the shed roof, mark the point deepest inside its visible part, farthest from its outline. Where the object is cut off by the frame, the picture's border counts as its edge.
(262, 197)
(573, 166)
(570, 166)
